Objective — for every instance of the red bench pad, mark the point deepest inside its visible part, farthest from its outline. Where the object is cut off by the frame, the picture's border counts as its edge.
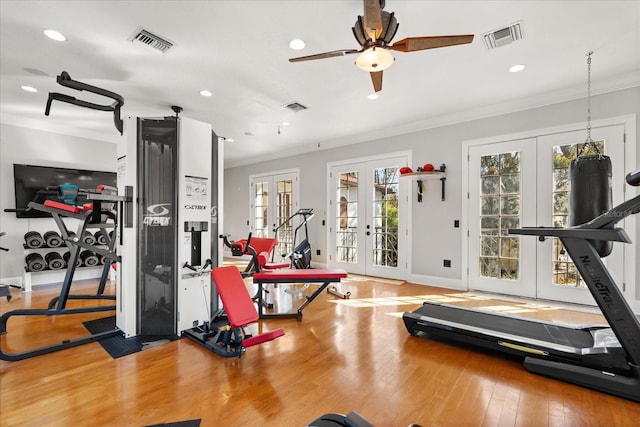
(259, 339)
(61, 206)
(303, 274)
(234, 295)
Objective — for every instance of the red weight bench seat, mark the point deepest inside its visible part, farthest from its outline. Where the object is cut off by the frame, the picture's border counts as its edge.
(228, 339)
(304, 275)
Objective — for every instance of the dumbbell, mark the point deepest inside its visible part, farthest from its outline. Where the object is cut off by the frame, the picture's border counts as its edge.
(53, 239)
(33, 239)
(54, 260)
(89, 258)
(35, 262)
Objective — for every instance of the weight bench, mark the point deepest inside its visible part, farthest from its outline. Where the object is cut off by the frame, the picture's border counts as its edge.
(308, 275)
(227, 338)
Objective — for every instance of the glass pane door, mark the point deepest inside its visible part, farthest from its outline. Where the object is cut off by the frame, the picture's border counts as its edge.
(260, 222)
(271, 213)
(558, 278)
(368, 216)
(501, 196)
(347, 194)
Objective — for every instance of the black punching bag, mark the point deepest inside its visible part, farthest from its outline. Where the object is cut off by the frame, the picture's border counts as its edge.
(590, 193)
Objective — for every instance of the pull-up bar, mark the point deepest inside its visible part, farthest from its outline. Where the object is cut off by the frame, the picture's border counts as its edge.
(65, 80)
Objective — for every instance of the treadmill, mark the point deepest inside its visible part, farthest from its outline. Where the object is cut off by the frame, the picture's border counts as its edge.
(597, 357)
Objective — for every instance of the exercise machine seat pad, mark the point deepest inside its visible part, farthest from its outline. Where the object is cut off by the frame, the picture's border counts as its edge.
(263, 262)
(264, 337)
(304, 274)
(61, 206)
(263, 244)
(234, 295)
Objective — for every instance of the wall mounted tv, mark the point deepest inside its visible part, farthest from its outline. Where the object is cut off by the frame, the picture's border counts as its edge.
(28, 179)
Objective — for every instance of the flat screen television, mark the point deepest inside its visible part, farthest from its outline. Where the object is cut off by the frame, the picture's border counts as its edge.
(29, 179)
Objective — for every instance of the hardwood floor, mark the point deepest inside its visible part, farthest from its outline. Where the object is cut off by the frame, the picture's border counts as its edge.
(344, 355)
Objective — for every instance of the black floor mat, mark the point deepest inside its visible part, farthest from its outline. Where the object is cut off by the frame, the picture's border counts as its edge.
(118, 346)
(188, 423)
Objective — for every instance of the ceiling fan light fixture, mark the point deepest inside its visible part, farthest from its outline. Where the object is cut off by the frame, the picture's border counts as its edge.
(372, 96)
(29, 88)
(517, 68)
(375, 59)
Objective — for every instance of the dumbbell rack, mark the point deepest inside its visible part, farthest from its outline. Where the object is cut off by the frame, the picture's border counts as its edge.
(48, 276)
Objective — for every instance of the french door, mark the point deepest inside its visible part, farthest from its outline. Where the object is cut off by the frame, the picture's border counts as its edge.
(524, 183)
(558, 278)
(368, 218)
(274, 198)
(501, 182)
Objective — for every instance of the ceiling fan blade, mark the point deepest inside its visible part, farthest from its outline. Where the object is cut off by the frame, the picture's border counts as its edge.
(412, 44)
(331, 54)
(372, 18)
(376, 79)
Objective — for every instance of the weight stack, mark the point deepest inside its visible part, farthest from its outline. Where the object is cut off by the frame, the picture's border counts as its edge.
(33, 240)
(52, 239)
(66, 257)
(54, 260)
(35, 262)
(89, 259)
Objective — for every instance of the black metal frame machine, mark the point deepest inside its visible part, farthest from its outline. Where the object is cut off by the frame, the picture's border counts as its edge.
(600, 358)
(93, 216)
(301, 254)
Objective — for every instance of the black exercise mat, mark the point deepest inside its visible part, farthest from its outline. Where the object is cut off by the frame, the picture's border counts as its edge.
(117, 346)
(188, 423)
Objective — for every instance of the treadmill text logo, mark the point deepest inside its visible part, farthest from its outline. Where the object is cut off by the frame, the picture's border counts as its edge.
(156, 215)
(604, 292)
(196, 207)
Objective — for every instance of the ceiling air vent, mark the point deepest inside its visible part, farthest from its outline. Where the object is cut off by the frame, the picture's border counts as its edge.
(158, 44)
(503, 36)
(295, 106)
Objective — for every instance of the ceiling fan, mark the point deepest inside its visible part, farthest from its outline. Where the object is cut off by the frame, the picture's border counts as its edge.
(374, 32)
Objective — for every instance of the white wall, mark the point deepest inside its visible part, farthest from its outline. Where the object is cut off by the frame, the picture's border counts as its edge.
(433, 236)
(35, 147)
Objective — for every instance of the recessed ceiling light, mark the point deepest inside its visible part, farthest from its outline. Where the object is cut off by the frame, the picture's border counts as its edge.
(285, 123)
(297, 44)
(29, 88)
(205, 93)
(54, 35)
(373, 96)
(229, 139)
(516, 68)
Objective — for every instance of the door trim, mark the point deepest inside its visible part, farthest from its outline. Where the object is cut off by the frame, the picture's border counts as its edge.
(404, 189)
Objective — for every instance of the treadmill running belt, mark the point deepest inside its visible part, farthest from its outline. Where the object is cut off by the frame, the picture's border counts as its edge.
(567, 335)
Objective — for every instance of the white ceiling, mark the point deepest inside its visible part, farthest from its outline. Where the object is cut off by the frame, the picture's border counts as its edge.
(239, 51)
